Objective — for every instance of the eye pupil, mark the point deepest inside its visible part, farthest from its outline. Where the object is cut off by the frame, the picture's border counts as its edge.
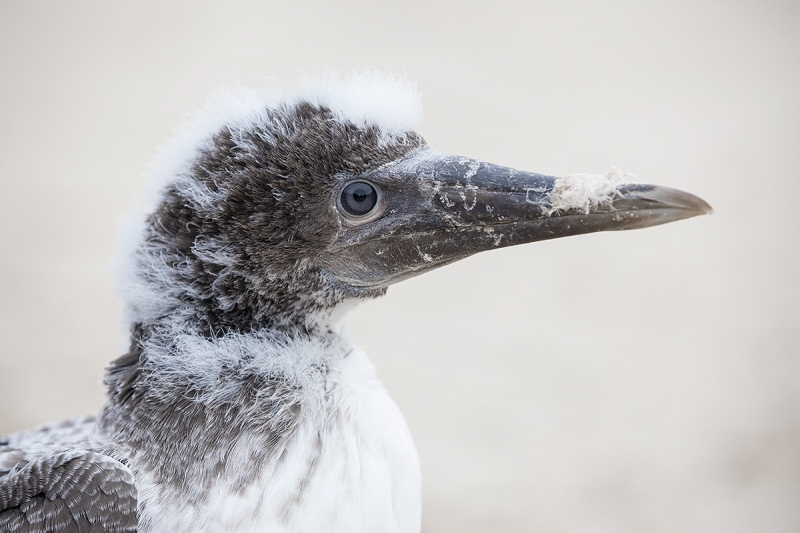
(359, 198)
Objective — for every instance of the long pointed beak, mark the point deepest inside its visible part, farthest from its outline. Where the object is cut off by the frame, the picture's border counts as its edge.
(441, 208)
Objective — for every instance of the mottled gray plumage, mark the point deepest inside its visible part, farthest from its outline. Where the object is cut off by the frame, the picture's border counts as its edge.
(71, 490)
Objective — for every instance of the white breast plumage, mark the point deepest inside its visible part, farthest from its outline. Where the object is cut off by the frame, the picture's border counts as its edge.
(350, 466)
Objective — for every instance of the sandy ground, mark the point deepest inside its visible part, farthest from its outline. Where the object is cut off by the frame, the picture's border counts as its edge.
(640, 381)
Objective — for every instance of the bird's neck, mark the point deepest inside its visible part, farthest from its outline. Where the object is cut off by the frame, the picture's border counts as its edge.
(289, 431)
(180, 401)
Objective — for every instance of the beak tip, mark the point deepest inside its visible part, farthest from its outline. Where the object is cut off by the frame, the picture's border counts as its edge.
(690, 202)
(707, 209)
(667, 198)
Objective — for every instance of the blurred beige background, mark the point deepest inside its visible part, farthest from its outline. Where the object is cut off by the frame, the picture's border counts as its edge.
(642, 381)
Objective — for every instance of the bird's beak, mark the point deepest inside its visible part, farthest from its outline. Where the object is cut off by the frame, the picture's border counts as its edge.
(441, 208)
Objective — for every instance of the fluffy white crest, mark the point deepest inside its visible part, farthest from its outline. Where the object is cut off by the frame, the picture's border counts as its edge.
(386, 101)
(390, 103)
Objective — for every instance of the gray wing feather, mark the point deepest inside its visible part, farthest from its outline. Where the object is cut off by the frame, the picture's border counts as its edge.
(72, 491)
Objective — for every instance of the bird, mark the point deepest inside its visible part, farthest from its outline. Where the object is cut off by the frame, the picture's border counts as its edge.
(241, 405)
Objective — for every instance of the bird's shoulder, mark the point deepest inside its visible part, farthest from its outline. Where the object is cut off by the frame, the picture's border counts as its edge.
(56, 478)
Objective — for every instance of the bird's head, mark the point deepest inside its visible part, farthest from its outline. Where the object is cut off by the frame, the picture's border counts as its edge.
(274, 212)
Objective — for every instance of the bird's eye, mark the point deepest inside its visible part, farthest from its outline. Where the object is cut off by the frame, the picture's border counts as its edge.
(360, 201)
(359, 198)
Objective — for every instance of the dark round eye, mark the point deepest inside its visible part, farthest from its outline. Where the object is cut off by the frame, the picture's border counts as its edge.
(359, 198)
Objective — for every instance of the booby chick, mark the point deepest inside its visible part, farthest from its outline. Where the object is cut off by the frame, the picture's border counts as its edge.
(240, 406)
